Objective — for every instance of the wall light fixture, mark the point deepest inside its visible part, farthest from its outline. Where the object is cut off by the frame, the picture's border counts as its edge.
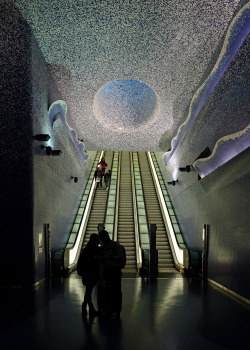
(172, 182)
(187, 169)
(48, 150)
(51, 152)
(75, 178)
(56, 152)
(41, 137)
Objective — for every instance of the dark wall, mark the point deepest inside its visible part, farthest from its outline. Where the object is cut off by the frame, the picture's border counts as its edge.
(35, 188)
(16, 148)
(220, 200)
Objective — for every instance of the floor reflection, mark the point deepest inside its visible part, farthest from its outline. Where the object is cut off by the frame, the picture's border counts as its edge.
(168, 313)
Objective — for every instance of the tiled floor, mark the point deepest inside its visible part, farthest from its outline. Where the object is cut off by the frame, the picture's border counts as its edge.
(170, 313)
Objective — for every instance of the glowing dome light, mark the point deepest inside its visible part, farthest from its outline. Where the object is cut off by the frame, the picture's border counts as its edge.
(125, 105)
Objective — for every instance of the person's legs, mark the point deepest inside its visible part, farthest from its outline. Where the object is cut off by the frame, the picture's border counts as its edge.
(114, 294)
(116, 298)
(88, 299)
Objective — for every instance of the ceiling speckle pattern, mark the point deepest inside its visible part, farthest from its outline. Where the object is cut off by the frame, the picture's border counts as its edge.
(235, 36)
(170, 46)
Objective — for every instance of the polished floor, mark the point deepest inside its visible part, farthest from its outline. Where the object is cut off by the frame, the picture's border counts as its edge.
(171, 313)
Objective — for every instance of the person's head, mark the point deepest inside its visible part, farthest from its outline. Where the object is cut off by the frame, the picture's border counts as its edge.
(104, 236)
(109, 171)
(94, 240)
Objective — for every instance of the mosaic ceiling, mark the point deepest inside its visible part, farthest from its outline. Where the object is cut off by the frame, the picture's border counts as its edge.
(134, 72)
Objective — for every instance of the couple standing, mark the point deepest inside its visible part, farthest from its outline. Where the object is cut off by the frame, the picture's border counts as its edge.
(102, 262)
(98, 177)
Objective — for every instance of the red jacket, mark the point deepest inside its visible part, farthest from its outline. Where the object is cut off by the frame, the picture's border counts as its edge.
(103, 164)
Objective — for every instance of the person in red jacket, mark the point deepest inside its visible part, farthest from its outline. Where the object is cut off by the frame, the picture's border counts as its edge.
(103, 165)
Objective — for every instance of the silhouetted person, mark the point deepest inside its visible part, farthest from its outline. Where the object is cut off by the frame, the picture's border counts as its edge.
(89, 268)
(107, 179)
(98, 177)
(112, 259)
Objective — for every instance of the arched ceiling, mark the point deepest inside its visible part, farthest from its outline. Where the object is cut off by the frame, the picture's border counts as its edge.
(128, 69)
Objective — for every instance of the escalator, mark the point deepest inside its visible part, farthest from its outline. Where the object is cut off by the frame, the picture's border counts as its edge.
(126, 227)
(98, 209)
(154, 215)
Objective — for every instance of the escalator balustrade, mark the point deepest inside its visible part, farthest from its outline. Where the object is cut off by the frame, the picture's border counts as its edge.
(154, 214)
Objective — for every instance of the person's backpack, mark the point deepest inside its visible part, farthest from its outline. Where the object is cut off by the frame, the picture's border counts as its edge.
(124, 257)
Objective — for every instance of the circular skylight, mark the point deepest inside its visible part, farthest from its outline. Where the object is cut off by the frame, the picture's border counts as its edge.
(125, 105)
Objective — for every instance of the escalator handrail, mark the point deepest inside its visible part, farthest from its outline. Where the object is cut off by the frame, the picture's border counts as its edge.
(146, 241)
(117, 198)
(180, 254)
(71, 258)
(143, 193)
(105, 214)
(136, 223)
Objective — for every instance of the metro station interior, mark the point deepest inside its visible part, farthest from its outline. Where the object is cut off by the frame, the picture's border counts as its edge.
(161, 90)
